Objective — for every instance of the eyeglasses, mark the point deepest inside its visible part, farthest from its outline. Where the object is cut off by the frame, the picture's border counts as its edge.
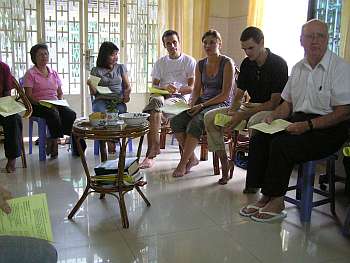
(316, 36)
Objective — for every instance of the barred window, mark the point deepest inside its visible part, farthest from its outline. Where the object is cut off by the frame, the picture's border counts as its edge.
(73, 29)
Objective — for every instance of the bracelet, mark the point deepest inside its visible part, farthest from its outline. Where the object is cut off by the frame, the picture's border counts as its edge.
(311, 125)
(202, 105)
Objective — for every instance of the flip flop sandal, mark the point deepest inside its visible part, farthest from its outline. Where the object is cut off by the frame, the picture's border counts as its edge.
(274, 216)
(243, 213)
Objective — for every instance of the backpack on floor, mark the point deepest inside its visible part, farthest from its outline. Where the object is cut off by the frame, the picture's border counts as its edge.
(241, 160)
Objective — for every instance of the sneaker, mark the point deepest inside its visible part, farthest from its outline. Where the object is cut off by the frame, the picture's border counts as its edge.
(250, 190)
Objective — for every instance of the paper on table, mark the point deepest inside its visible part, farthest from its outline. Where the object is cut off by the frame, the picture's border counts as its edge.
(94, 80)
(158, 91)
(50, 103)
(223, 119)
(29, 217)
(275, 126)
(103, 90)
(175, 108)
(9, 106)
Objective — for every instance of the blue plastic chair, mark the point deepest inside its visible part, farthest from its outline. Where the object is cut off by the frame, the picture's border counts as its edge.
(41, 131)
(305, 188)
(42, 136)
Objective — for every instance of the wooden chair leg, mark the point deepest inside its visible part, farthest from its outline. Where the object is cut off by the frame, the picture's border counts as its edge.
(162, 137)
(216, 164)
(331, 180)
(204, 152)
(23, 155)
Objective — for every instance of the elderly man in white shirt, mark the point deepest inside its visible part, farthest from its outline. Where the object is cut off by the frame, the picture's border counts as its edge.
(317, 102)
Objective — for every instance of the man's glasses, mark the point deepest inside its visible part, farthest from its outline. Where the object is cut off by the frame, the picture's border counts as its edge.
(316, 36)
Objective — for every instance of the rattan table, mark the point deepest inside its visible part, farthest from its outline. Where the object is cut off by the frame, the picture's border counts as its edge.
(83, 130)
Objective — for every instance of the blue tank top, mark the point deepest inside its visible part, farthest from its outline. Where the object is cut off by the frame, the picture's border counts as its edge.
(212, 86)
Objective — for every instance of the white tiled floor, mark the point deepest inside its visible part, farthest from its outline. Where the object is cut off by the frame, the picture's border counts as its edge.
(192, 219)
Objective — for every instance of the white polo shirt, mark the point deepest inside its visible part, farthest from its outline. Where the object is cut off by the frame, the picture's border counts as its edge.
(318, 90)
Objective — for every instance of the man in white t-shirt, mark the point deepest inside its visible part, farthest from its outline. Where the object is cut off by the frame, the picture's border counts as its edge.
(317, 102)
(175, 74)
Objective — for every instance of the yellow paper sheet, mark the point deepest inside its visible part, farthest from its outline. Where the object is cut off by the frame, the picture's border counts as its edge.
(158, 91)
(51, 103)
(9, 106)
(29, 218)
(94, 80)
(275, 126)
(222, 120)
(175, 108)
(103, 90)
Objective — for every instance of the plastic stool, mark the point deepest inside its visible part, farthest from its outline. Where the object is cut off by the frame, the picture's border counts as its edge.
(42, 136)
(305, 188)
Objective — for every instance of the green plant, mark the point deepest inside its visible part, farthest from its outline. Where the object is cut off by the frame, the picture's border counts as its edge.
(112, 105)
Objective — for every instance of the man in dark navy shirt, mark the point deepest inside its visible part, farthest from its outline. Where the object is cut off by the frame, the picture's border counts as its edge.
(262, 76)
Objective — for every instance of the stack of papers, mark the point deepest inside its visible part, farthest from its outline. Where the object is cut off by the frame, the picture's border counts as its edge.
(9, 106)
(29, 218)
(275, 126)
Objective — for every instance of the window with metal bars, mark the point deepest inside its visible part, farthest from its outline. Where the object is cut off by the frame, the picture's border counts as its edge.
(74, 28)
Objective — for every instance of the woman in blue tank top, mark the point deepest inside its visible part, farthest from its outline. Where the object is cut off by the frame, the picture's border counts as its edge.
(213, 83)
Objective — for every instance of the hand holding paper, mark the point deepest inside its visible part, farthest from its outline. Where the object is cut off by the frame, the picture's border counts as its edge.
(29, 218)
(223, 120)
(94, 81)
(275, 126)
(176, 108)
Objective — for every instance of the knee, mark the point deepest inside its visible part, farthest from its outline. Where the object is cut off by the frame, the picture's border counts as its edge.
(174, 122)
(195, 129)
(209, 118)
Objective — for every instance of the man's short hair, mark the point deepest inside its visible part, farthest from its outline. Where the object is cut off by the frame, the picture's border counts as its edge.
(325, 25)
(252, 32)
(169, 33)
(214, 33)
(35, 50)
(106, 49)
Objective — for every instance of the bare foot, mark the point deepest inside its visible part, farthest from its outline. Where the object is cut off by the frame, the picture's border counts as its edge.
(225, 177)
(191, 163)
(146, 163)
(179, 171)
(260, 203)
(10, 166)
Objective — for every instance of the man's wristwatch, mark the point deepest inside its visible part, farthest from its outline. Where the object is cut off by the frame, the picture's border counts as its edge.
(311, 126)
